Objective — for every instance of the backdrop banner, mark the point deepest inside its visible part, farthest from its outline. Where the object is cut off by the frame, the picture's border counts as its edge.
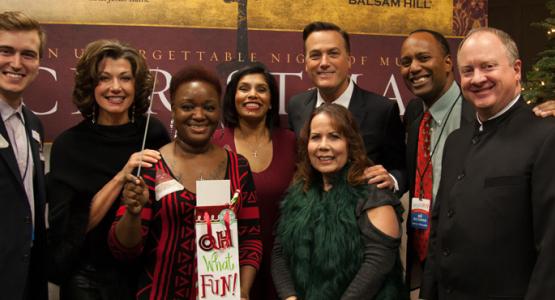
(225, 34)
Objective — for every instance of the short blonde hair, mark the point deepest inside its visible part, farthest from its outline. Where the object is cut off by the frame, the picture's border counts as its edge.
(19, 21)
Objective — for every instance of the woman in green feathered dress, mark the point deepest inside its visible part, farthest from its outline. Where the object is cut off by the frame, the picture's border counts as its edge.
(338, 237)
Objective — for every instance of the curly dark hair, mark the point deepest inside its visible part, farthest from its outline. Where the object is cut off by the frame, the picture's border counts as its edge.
(194, 73)
(231, 116)
(344, 123)
(87, 75)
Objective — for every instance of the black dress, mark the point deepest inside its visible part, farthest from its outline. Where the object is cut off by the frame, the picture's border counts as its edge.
(83, 159)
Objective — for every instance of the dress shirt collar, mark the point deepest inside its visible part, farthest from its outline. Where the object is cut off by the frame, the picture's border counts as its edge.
(443, 105)
(343, 100)
(7, 111)
(504, 110)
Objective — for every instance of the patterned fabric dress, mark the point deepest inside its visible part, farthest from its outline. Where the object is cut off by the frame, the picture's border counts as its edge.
(168, 251)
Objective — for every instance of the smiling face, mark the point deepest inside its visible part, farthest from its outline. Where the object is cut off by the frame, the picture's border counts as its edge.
(115, 91)
(252, 98)
(425, 67)
(327, 63)
(327, 148)
(196, 113)
(489, 80)
(19, 63)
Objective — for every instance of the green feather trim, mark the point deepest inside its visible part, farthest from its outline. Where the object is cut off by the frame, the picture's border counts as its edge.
(320, 237)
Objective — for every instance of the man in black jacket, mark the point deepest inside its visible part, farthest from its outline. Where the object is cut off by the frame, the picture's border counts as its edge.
(327, 52)
(22, 194)
(493, 225)
(427, 68)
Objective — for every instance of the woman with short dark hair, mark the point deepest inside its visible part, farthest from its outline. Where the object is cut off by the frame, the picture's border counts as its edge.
(154, 221)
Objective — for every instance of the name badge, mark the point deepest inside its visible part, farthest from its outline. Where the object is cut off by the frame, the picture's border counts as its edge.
(36, 136)
(3, 142)
(420, 213)
(165, 185)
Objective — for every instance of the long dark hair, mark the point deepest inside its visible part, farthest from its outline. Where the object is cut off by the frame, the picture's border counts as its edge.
(344, 123)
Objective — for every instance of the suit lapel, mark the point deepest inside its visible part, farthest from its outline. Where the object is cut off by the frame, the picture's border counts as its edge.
(357, 106)
(412, 141)
(8, 155)
(36, 145)
(309, 105)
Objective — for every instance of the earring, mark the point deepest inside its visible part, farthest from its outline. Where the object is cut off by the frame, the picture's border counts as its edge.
(93, 114)
(173, 131)
(133, 113)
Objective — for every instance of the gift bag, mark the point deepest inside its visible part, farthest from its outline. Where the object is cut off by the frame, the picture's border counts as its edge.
(217, 241)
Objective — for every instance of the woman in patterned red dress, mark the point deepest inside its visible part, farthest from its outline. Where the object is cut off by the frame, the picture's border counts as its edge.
(160, 233)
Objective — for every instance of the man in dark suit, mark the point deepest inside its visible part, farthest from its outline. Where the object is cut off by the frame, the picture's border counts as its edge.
(493, 227)
(327, 51)
(427, 69)
(22, 195)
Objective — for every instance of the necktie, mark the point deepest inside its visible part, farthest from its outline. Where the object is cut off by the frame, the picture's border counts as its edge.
(423, 183)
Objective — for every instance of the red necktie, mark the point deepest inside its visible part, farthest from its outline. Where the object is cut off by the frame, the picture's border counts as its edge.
(423, 183)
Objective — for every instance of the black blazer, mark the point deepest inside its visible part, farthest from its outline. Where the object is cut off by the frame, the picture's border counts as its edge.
(379, 123)
(493, 227)
(19, 261)
(413, 116)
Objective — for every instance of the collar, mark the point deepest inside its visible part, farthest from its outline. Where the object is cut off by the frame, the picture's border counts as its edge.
(443, 105)
(504, 110)
(343, 100)
(7, 111)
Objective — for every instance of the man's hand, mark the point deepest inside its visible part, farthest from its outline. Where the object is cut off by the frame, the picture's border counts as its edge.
(546, 109)
(377, 174)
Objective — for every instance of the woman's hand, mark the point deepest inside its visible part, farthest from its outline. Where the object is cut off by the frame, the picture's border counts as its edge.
(291, 298)
(149, 157)
(104, 199)
(135, 194)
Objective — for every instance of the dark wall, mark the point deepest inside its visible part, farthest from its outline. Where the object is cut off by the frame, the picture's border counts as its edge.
(515, 17)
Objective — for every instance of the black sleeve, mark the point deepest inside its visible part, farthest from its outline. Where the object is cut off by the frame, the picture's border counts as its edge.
(428, 289)
(280, 272)
(158, 134)
(395, 149)
(68, 218)
(380, 253)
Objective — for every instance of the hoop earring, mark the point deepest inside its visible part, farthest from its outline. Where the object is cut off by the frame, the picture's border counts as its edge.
(133, 113)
